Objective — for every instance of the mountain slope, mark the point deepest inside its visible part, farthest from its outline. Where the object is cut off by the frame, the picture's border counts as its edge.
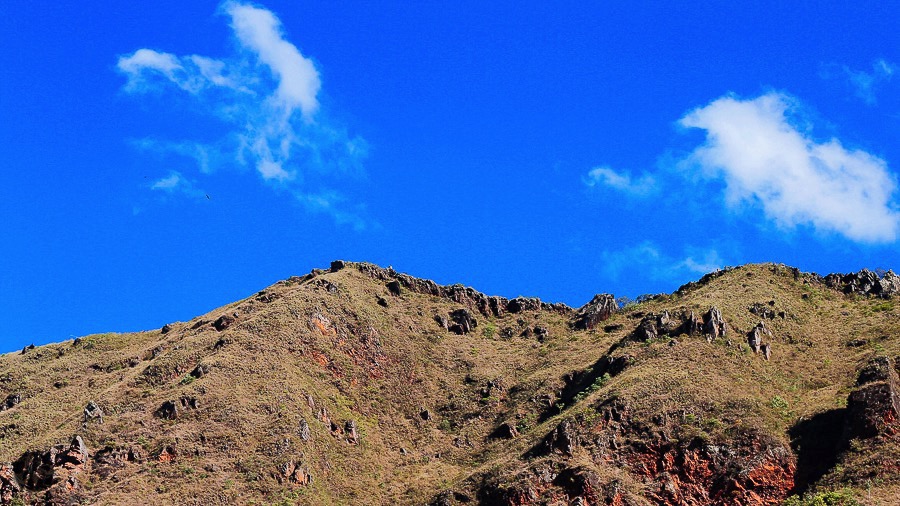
(362, 385)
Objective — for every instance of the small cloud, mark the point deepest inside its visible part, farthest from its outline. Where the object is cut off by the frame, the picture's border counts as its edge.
(765, 159)
(174, 183)
(331, 203)
(621, 181)
(709, 261)
(649, 260)
(168, 183)
(865, 84)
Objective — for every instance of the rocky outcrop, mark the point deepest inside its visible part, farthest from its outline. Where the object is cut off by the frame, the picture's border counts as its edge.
(756, 471)
(93, 412)
(223, 322)
(107, 461)
(599, 309)
(505, 430)
(10, 401)
(168, 410)
(873, 408)
(469, 297)
(463, 322)
(757, 338)
(520, 304)
(293, 473)
(563, 438)
(865, 282)
(544, 483)
(692, 325)
(714, 325)
(54, 472)
(9, 485)
(647, 329)
(200, 371)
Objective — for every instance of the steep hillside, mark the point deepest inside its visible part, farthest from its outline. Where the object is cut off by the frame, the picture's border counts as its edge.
(360, 385)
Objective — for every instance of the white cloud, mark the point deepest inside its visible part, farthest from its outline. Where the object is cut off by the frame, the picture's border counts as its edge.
(755, 147)
(647, 259)
(865, 84)
(329, 202)
(605, 176)
(260, 31)
(267, 92)
(175, 182)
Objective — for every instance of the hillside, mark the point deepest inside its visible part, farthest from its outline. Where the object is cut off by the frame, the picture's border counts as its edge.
(360, 385)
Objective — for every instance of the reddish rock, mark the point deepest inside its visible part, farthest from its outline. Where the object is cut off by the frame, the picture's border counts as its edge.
(9, 485)
(873, 409)
(53, 472)
(294, 473)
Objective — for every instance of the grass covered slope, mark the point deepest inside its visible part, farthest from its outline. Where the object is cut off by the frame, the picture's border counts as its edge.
(362, 385)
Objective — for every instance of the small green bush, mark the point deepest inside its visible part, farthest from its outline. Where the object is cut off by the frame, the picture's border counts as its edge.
(843, 497)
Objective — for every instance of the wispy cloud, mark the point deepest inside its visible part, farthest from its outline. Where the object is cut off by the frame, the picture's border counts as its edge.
(174, 183)
(268, 92)
(865, 84)
(765, 159)
(649, 260)
(621, 181)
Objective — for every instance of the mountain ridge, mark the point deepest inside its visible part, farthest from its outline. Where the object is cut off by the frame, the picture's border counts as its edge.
(358, 381)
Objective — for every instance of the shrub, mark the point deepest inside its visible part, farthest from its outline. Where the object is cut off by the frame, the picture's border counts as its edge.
(843, 497)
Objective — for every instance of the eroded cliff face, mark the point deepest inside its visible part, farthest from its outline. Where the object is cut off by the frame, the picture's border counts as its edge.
(359, 384)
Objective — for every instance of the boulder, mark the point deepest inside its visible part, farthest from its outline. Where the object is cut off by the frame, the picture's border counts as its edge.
(646, 329)
(520, 304)
(168, 410)
(188, 402)
(304, 430)
(463, 321)
(505, 430)
(93, 412)
(394, 288)
(200, 371)
(599, 309)
(11, 400)
(223, 322)
(350, 432)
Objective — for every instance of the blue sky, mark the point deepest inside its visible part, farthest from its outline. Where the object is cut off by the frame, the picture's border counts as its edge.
(160, 159)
